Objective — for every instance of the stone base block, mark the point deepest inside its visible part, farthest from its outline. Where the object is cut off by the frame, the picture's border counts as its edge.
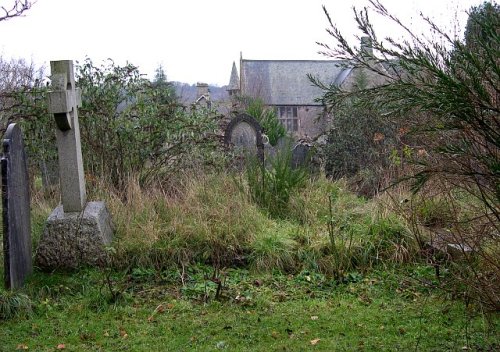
(71, 240)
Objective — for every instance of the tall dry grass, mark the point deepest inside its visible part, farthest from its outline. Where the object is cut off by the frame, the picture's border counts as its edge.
(209, 218)
(204, 219)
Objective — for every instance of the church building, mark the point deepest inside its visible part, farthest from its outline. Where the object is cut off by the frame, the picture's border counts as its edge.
(285, 86)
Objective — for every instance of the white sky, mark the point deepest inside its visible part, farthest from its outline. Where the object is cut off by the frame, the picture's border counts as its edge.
(195, 40)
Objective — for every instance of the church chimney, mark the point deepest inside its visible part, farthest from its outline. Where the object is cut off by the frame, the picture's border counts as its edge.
(234, 82)
(366, 47)
(202, 90)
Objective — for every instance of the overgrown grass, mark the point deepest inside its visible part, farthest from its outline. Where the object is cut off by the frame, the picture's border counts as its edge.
(200, 266)
(271, 183)
(209, 222)
(211, 219)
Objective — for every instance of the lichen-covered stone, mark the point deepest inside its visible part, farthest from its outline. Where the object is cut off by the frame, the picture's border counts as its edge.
(72, 240)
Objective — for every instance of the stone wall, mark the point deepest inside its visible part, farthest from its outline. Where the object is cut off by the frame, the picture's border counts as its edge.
(310, 126)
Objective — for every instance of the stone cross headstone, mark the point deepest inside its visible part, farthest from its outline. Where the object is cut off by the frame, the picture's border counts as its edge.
(244, 132)
(64, 100)
(16, 209)
(77, 231)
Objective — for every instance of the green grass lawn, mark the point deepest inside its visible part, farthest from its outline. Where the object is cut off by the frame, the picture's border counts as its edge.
(382, 311)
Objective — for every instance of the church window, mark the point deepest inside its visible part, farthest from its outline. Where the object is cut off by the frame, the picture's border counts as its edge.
(288, 117)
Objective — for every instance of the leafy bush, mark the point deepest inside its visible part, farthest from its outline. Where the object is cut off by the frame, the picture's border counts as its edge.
(361, 149)
(23, 100)
(132, 126)
(128, 125)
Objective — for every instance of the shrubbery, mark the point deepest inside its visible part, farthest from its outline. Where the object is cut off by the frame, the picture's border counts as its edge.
(272, 182)
(444, 91)
(129, 125)
(360, 143)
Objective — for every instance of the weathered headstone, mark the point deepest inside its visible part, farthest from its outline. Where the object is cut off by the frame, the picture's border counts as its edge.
(301, 155)
(245, 133)
(77, 231)
(16, 209)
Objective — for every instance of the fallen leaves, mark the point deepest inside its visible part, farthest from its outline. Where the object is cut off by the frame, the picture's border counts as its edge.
(22, 346)
(315, 342)
(123, 333)
(377, 137)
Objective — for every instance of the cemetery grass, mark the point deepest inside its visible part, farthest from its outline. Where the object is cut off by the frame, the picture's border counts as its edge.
(281, 286)
(382, 310)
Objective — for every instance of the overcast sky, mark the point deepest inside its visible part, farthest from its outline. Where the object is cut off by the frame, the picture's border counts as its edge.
(196, 40)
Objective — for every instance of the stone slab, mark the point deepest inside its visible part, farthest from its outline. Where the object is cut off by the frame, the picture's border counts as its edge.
(72, 240)
(16, 210)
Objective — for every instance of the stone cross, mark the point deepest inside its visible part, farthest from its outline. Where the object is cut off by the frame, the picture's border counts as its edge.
(77, 232)
(64, 100)
(16, 209)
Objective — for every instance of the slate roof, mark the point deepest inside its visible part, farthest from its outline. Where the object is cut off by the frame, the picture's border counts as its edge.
(285, 82)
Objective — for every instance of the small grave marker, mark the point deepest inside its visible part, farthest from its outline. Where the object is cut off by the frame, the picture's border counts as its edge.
(301, 155)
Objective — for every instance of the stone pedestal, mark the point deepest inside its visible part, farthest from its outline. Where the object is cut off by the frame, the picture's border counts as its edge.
(71, 240)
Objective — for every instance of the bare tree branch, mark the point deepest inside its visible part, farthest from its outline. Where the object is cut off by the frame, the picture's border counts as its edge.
(17, 9)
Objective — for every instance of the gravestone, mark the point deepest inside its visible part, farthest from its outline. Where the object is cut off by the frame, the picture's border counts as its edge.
(64, 100)
(16, 209)
(301, 155)
(77, 231)
(245, 133)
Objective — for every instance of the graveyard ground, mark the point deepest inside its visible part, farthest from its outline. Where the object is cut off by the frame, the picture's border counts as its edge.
(161, 293)
(385, 310)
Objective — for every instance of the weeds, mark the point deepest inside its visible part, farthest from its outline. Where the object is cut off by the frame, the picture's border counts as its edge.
(271, 186)
(211, 222)
(14, 304)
